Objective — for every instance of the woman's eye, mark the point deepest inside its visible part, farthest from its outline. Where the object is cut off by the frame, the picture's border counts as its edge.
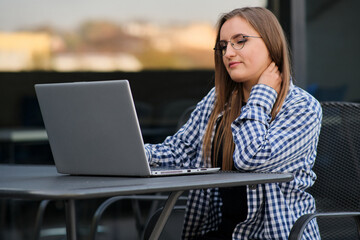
(239, 41)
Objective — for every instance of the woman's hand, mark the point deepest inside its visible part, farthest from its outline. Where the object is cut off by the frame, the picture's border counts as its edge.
(271, 77)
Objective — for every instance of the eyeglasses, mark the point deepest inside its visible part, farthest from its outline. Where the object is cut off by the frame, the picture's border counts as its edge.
(237, 42)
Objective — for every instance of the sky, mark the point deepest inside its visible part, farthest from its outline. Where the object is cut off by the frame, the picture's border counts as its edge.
(65, 14)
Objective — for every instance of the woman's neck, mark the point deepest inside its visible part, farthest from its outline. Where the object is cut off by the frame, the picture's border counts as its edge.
(247, 86)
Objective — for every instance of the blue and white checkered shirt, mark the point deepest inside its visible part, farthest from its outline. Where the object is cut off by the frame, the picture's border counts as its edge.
(286, 144)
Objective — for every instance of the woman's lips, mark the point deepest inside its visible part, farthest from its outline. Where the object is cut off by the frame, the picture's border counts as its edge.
(233, 64)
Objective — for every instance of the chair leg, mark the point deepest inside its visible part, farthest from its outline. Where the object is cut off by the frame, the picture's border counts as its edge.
(39, 218)
(139, 221)
(357, 220)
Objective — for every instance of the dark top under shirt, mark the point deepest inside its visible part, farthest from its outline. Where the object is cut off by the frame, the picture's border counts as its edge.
(234, 208)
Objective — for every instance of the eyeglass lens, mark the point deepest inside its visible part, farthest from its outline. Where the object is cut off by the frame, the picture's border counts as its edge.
(237, 42)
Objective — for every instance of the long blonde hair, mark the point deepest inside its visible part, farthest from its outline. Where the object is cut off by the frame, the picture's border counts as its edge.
(229, 94)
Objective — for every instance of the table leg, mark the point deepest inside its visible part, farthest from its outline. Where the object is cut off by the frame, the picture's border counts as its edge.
(3, 215)
(70, 212)
(169, 205)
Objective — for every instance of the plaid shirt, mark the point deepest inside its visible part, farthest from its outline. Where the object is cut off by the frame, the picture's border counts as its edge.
(286, 144)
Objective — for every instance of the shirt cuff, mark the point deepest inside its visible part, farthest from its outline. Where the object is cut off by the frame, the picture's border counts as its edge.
(264, 96)
(147, 152)
(260, 103)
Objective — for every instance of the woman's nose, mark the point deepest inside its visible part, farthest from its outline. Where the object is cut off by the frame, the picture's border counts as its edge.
(230, 51)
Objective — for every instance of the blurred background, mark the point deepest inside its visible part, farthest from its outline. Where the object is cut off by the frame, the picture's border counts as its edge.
(164, 48)
(159, 43)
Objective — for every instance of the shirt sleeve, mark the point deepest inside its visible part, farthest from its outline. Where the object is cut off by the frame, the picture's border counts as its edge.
(279, 145)
(183, 148)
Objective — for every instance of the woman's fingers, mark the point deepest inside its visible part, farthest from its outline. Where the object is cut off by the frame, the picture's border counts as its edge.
(271, 77)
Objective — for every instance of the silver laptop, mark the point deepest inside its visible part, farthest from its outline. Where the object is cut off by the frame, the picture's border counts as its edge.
(93, 129)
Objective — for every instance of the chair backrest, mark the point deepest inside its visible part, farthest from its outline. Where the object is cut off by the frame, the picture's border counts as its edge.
(173, 227)
(337, 166)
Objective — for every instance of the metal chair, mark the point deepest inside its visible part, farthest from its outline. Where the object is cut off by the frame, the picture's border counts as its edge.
(337, 189)
(173, 227)
(140, 222)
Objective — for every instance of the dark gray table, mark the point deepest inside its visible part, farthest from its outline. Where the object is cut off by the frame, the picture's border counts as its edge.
(43, 182)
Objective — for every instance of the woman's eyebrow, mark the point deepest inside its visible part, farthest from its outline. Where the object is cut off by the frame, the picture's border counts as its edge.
(234, 35)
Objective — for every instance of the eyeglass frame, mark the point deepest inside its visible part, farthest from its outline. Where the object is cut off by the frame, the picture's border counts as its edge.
(223, 50)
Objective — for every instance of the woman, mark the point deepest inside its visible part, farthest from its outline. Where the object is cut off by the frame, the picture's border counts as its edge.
(254, 120)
